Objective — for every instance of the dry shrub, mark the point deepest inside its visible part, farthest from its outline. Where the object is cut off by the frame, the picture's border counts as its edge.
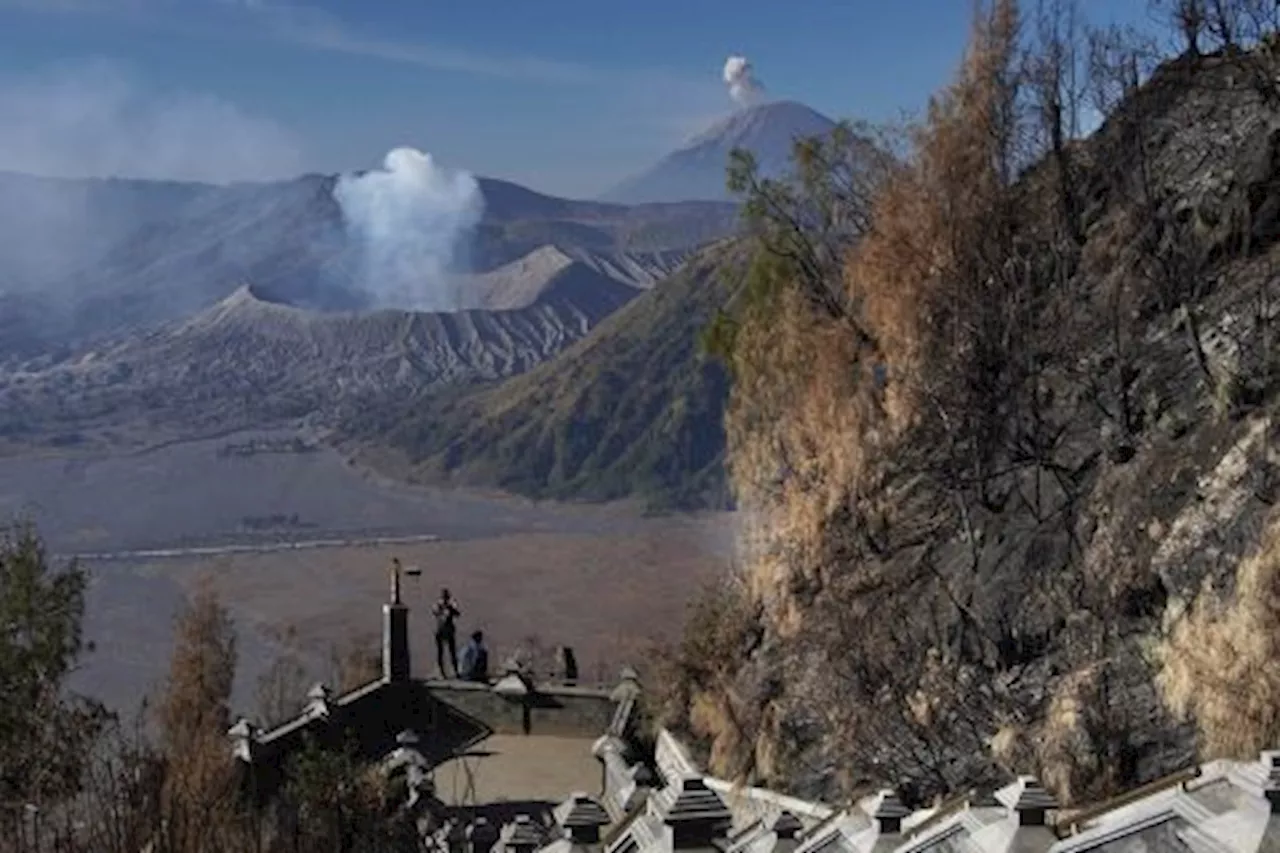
(338, 802)
(711, 719)
(282, 689)
(798, 430)
(806, 426)
(1012, 749)
(1072, 747)
(198, 796)
(929, 274)
(1066, 755)
(1219, 659)
(693, 682)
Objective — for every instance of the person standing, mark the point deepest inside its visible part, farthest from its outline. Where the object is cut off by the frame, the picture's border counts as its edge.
(446, 611)
(475, 659)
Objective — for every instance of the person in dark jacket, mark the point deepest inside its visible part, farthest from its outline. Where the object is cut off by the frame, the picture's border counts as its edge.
(446, 611)
(475, 659)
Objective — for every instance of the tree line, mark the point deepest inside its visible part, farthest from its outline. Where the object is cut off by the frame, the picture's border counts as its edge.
(76, 776)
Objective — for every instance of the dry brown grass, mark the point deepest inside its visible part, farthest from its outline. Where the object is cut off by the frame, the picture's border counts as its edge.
(693, 690)
(1067, 746)
(1219, 659)
(1066, 755)
(798, 391)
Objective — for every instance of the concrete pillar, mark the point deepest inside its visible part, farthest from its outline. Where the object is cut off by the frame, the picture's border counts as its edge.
(395, 633)
(244, 738)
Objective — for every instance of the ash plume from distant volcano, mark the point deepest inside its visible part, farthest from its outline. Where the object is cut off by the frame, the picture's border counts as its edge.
(745, 89)
(407, 221)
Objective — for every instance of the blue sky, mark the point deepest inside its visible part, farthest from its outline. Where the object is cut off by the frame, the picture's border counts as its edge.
(565, 96)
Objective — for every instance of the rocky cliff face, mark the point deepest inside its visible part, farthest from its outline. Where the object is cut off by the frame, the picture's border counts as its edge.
(914, 609)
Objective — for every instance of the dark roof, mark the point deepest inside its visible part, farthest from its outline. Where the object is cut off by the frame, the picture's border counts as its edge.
(523, 832)
(786, 825)
(1027, 794)
(887, 806)
(691, 801)
(580, 810)
(374, 719)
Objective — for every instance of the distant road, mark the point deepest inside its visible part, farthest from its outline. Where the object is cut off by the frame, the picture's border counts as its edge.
(262, 548)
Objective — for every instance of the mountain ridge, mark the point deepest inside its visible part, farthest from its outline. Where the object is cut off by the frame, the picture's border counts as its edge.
(630, 411)
(154, 252)
(251, 361)
(696, 170)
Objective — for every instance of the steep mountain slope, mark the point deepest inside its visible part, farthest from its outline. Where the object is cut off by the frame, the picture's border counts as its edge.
(1018, 507)
(632, 410)
(697, 170)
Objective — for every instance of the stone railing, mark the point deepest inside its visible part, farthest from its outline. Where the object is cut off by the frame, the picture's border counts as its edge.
(763, 804)
(673, 759)
(544, 709)
(626, 781)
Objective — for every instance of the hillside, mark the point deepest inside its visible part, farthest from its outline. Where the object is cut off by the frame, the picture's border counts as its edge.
(1012, 495)
(120, 314)
(550, 274)
(249, 361)
(632, 410)
(697, 169)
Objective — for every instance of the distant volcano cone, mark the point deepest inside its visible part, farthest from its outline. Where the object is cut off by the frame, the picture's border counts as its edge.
(697, 171)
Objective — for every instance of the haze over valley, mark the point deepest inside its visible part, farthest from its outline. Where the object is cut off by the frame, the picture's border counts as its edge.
(194, 368)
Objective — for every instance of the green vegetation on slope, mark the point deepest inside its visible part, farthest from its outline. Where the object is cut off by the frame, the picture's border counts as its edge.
(634, 410)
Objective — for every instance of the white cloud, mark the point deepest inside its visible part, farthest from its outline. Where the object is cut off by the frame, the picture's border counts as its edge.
(95, 119)
(315, 28)
(311, 27)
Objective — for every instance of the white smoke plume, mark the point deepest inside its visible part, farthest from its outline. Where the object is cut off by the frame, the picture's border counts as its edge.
(740, 77)
(409, 219)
